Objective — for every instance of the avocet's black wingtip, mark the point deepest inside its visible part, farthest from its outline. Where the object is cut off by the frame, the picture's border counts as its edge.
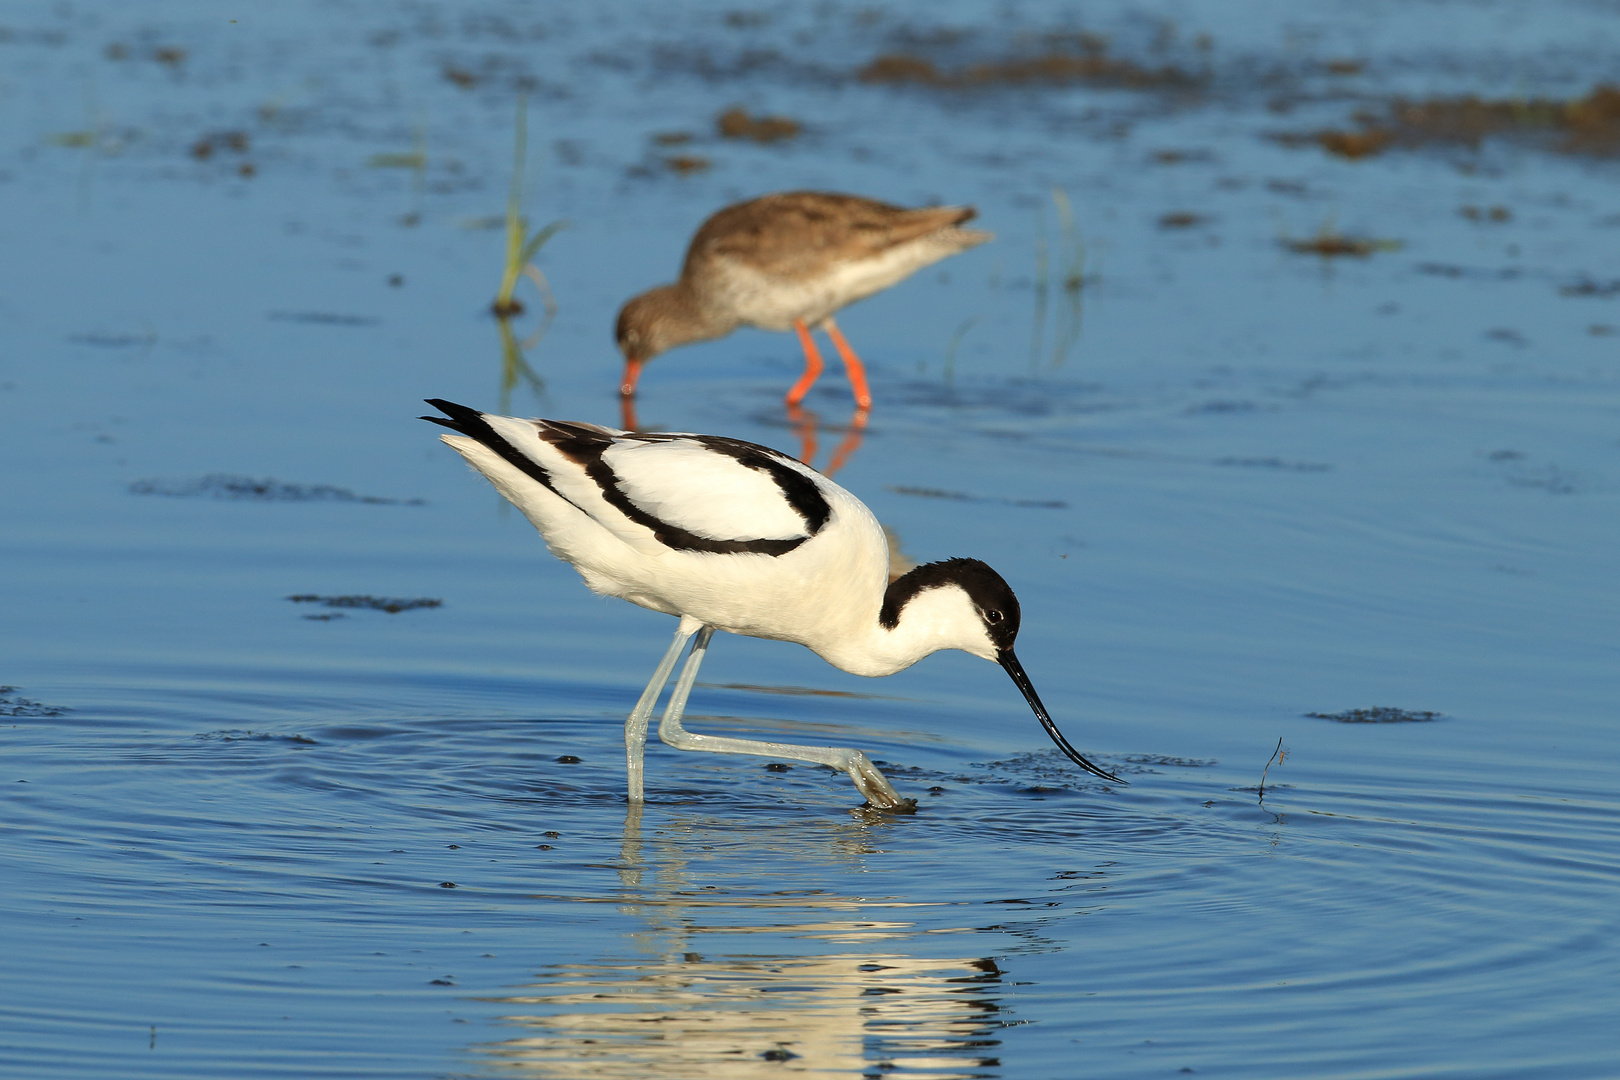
(460, 416)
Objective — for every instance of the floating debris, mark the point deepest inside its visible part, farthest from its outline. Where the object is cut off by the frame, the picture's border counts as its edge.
(686, 164)
(735, 123)
(1489, 213)
(374, 603)
(228, 486)
(1378, 714)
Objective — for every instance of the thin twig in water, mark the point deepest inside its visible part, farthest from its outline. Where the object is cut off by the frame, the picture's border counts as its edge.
(1277, 755)
(956, 340)
(1074, 277)
(1037, 336)
(532, 272)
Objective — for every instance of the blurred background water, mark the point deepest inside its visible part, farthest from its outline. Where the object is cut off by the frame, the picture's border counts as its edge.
(1288, 387)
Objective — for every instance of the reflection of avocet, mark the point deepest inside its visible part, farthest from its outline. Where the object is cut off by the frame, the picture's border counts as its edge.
(690, 1015)
(705, 990)
(733, 536)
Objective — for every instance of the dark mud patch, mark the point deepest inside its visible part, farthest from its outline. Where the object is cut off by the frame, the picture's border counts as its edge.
(228, 486)
(1272, 463)
(1182, 219)
(1587, 287)
(247, 735)
(1587, 125)
(962, 496)
(1378, 714)
(735, 123)
(216, 142)
(1172, 762)
(14, 704)
(392, 605)
(687, 164)
(1451, 270)
(115, 341)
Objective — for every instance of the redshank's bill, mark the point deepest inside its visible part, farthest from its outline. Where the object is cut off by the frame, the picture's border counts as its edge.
(789, 261)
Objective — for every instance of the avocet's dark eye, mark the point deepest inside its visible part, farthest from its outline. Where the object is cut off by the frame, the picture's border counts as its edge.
(992, 616)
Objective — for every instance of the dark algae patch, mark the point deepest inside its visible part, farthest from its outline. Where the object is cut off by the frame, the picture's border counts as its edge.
(1378, 714)
(735, 123)
(1583, 125)
(1329, 243)
(392, 605)
(12, 704)
(228, 486)
(1055, 67)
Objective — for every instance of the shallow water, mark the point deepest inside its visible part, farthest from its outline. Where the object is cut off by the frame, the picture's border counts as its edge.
(1233, 485)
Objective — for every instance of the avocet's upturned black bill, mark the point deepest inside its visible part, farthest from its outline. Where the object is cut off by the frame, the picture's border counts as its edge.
(732, 536)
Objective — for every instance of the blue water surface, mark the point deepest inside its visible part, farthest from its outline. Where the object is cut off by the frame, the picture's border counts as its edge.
(1232, 484)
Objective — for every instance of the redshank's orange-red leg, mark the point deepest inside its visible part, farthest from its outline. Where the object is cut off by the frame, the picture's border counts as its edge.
(631, 376)
(852, 364)
(812, 365)
(627, 410)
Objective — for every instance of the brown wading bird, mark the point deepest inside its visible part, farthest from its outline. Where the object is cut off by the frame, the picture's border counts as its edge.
(788, 261)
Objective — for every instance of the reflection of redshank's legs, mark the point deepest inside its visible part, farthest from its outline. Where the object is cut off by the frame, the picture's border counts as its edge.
(852, 364)
(804, 423)
(812, 364)
(851, 443)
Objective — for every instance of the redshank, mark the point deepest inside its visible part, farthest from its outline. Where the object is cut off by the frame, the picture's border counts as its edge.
(789, 261)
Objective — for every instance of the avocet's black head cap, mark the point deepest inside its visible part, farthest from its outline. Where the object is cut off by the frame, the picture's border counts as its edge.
(992, 596)
(998, 607)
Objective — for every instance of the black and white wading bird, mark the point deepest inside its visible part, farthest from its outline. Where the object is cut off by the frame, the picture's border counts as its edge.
(732, 536)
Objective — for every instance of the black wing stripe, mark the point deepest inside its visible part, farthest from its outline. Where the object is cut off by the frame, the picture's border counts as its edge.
(586, 447)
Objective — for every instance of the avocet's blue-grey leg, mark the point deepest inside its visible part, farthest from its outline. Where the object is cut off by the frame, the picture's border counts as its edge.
(635, 725)
(868, 781)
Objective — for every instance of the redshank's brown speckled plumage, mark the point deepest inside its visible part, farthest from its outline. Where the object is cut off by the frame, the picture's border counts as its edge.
(789, 261)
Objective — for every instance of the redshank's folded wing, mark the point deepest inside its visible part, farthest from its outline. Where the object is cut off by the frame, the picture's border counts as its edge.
(799, 233)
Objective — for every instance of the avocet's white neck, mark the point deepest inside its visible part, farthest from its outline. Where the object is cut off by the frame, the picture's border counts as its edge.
(942, 617)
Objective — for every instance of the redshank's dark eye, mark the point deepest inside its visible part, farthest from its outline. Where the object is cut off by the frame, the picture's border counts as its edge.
(992, 616)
